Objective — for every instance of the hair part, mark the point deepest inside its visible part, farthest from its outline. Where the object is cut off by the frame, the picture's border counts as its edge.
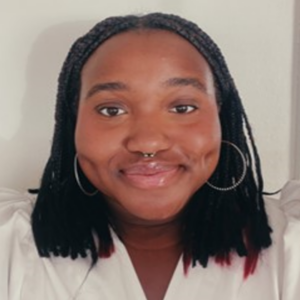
(65, 222)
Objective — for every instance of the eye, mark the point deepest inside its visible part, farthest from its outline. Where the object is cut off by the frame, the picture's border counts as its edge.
(183, 109)
(110, 111)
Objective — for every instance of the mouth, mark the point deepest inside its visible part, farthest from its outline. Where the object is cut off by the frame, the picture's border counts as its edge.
(151, 175)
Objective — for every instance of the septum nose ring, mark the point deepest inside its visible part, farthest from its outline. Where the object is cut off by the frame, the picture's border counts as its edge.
(148, 154)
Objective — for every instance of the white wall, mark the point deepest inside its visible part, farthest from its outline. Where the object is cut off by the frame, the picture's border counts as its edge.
(256, 38)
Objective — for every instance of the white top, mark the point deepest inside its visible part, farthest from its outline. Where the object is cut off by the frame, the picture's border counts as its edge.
(26, 276)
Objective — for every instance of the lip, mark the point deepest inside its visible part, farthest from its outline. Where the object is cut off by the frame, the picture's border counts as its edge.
(150, 175)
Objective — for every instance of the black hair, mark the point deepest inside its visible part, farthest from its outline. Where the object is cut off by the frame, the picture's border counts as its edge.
(66, 222)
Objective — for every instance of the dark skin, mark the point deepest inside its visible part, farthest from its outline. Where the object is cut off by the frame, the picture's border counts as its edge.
(153, 250)
(148, 91)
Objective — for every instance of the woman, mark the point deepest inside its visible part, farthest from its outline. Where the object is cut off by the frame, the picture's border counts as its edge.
(153, 189)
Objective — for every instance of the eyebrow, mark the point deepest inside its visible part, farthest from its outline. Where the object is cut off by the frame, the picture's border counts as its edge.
(172, 82)
(107, 86)
(186, 81)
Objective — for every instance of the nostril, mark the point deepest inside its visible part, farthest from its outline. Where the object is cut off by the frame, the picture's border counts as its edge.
(147, 143)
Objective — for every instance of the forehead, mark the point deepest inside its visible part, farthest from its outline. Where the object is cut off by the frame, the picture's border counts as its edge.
(145, 47)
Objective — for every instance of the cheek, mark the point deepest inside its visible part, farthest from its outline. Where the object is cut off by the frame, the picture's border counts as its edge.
(203, 138)
(94, 147)
(92, 139)
(86, 137)
(203, 144)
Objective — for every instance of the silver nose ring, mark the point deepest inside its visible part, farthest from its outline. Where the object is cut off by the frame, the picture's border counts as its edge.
(148, 154)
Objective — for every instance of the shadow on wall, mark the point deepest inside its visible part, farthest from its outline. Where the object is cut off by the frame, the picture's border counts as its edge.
(295, 113)
(31, 144)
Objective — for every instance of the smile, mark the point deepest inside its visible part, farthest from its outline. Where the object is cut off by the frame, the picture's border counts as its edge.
(150, 175)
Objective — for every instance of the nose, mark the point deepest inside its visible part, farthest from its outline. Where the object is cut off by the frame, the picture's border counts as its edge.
(148, 136)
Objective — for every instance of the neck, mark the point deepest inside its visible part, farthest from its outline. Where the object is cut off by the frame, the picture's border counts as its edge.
(147, 235)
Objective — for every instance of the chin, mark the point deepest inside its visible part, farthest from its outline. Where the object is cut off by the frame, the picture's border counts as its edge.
(157, 212)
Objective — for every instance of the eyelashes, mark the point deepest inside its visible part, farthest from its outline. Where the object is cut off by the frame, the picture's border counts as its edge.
(110, 111)
(183, 109)
(114, 111)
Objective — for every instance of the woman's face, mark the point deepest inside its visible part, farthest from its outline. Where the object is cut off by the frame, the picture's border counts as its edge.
(147, 92)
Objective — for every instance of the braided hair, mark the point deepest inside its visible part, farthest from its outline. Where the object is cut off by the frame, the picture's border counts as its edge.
(218, 224)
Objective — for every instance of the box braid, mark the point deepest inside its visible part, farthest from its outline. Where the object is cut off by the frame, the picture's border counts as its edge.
(218, 224)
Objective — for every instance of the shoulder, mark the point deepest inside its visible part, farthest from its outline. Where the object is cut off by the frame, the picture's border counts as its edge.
(15, 211)
(14, 202)
(15, 232)
(284, 215)
(290, 199)
(286, 210)
(290, 205)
